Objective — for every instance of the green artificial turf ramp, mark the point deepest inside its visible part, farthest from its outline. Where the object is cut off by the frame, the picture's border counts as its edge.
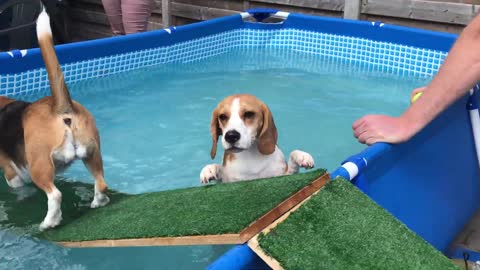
(208, 210)
(341, 228)
(22, 210)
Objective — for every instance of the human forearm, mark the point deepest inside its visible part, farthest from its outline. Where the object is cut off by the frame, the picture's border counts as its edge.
(459, 72)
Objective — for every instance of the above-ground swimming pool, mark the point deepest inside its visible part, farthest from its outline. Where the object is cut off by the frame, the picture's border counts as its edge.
(152, 95)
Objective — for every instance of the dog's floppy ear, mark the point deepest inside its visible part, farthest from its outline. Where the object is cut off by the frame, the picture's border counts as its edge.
(215, 131)
(268, 136)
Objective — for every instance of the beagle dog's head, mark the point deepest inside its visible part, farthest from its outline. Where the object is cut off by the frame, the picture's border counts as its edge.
(244, 121)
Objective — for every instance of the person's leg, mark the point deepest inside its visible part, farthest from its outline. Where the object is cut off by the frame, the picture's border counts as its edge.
(113, 10)
(136, 14)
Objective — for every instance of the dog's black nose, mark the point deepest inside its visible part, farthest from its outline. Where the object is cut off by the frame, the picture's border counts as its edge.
(232, 136)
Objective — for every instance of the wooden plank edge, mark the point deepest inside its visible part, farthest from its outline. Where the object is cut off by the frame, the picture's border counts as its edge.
(255, 246)
(285, 206)
(222, 239)
(331, 5)
(430, 11)
(199, 12)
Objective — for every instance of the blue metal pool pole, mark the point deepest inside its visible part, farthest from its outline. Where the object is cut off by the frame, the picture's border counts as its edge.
(353, 166)
(457, 252)
(472, 107)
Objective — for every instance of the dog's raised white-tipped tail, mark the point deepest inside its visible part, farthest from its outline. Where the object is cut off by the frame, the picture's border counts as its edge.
(63, 102)
(43, 24)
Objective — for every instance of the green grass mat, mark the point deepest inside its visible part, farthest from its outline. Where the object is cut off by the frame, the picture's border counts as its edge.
(22, 210)
(207, 210)
(341, 228)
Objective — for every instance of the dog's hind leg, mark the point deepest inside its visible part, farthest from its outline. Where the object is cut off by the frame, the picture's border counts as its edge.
(95, 166)
(13, 180)
(42, 171)
(12, 174)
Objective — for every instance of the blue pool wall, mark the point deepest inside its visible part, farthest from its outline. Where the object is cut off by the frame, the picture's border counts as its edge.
(350, 42)
(429, 183)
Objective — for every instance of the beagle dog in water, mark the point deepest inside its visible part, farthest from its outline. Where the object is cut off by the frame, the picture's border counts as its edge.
(250, 143)
(44, 137)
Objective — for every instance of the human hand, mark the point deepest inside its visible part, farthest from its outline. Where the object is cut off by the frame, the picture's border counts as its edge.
(381, 128)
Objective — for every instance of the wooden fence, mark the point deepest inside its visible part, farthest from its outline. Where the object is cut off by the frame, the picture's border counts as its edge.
(89, 20)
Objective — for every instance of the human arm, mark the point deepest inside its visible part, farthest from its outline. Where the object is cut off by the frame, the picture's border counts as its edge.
(458, 74)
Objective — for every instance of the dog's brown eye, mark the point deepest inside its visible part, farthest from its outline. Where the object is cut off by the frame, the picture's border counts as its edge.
(222, 117)
(249, 114)
(67, 121)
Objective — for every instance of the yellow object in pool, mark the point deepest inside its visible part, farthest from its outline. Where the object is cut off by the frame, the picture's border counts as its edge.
(416, 97)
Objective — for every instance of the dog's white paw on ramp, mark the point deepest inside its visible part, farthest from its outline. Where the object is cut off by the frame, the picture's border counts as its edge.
(214, 214)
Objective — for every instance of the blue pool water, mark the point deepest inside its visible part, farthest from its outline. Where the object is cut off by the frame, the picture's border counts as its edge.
(154, 127)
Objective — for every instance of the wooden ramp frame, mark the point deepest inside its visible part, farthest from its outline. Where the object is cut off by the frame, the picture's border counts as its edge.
(293, 202)
(253, 242)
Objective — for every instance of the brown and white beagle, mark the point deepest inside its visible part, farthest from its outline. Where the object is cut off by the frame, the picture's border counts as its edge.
(250, 143)
(41, 138)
